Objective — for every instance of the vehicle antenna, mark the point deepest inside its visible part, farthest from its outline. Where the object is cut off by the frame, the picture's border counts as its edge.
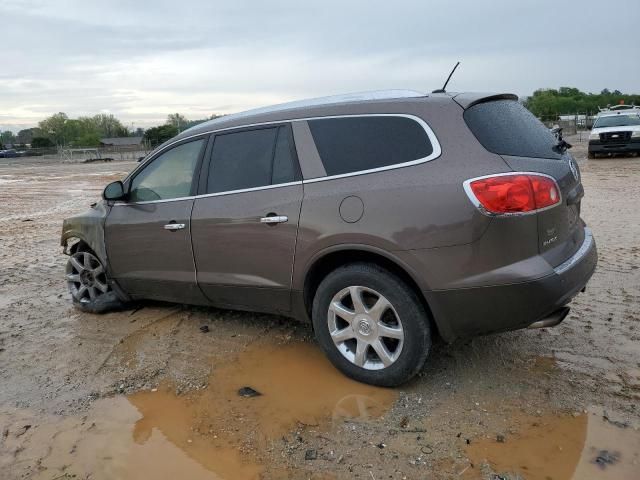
(442, 90)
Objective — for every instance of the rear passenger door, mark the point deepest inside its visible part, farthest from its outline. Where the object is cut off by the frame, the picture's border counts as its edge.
(245, 219)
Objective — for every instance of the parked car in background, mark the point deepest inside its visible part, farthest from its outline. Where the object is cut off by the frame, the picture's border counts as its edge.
(615, 132)
(384, 218)
(11, 153)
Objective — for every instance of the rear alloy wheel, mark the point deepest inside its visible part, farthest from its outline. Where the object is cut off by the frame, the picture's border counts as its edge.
(365, 328)
(371, 324)
(88, 285)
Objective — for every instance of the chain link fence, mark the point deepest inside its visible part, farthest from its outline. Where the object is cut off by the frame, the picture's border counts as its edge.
(82, 154)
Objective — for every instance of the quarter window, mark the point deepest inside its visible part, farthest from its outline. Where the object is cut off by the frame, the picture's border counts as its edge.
(352, 144)
(169, 175)
(250, 159)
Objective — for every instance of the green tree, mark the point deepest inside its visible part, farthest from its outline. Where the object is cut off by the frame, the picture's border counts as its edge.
(108, 126)
(26, 136)
(7, 137)
(549, 103)
(177, 120)
(53, 127)
(157, 135)
(88, 139)
(41, 142)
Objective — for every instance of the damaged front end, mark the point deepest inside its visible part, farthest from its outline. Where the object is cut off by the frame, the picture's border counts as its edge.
(85, 233)
(88, 229)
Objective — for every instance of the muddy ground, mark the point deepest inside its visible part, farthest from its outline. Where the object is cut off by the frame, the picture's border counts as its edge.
(144, 393)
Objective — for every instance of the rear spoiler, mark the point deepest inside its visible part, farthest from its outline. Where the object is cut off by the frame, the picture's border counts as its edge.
(466, 100)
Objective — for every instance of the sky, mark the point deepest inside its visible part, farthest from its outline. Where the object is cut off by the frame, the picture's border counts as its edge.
(142, 60)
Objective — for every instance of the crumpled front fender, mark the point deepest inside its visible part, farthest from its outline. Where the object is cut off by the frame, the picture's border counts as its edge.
(88, 227)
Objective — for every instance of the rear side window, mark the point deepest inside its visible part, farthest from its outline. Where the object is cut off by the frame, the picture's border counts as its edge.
(506, 127)
(352, 144)
(253, 158)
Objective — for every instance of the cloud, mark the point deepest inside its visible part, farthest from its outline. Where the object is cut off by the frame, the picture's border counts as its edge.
(141, 61)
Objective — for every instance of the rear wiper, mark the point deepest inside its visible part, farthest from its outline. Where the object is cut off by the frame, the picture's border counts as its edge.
(561, 145)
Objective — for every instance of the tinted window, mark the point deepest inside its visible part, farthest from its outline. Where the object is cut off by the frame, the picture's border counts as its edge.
(283, 161)
(352, 144)
(253, 158)
(168, 176)
(508, 128)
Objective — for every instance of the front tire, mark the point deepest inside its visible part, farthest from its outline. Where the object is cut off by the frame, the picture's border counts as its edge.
(88, 284)
(371, 325)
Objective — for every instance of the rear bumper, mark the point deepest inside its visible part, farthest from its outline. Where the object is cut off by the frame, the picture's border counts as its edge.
(628, 146)
(473, 311)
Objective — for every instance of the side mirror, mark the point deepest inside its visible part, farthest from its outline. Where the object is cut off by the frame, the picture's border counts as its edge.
(114, 191)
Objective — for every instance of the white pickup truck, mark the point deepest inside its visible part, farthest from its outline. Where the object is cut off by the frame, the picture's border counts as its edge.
(615, 132)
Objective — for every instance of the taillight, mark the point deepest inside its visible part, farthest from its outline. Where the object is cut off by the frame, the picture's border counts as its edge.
(513, 193)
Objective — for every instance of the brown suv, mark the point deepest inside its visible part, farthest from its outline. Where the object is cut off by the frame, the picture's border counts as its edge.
(385, 218)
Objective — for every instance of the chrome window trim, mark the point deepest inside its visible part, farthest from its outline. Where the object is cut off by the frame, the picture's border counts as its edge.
(474, 200)
(252, 189)
(217, 194)
(437, 151)
(576, 257)
(121, 203)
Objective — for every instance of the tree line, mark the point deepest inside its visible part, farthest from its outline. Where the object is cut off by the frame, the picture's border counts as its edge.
(175, 124)
(549, 103)
(59, 130)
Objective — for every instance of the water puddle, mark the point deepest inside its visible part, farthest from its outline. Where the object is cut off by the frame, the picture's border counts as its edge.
(213, 433)
(588, 446)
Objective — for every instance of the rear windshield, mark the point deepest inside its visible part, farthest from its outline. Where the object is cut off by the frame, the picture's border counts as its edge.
(506, 127)
(617, 121)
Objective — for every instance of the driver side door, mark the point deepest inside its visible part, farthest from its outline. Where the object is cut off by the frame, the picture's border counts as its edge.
(148, 236)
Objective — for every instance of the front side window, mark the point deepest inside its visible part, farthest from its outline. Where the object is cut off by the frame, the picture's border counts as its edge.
(250, 159)
(168, 176)
(352, 144)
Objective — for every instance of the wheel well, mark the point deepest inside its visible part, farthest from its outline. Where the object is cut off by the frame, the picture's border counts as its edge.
(325, 265)
(78, 245)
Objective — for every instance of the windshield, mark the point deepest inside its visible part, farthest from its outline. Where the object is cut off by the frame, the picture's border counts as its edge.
(617, 121)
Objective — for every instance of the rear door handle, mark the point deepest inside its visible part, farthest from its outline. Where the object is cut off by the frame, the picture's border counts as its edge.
(274, 219)
(174, 226)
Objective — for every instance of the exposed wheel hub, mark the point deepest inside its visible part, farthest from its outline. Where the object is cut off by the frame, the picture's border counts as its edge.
(86, 278)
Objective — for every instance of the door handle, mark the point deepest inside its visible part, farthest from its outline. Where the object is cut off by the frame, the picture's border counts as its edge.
(174, 226)
(274, 219)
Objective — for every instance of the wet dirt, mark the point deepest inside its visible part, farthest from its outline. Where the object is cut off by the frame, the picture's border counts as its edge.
(62, 371)
(560, 447)
(210, 433)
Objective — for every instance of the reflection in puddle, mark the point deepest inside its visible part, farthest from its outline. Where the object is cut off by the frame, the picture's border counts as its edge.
(207, 434)
(581, 447)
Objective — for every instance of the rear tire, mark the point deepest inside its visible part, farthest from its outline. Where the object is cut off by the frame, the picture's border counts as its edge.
(88, 284)
(591, 155)
(371, 325)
